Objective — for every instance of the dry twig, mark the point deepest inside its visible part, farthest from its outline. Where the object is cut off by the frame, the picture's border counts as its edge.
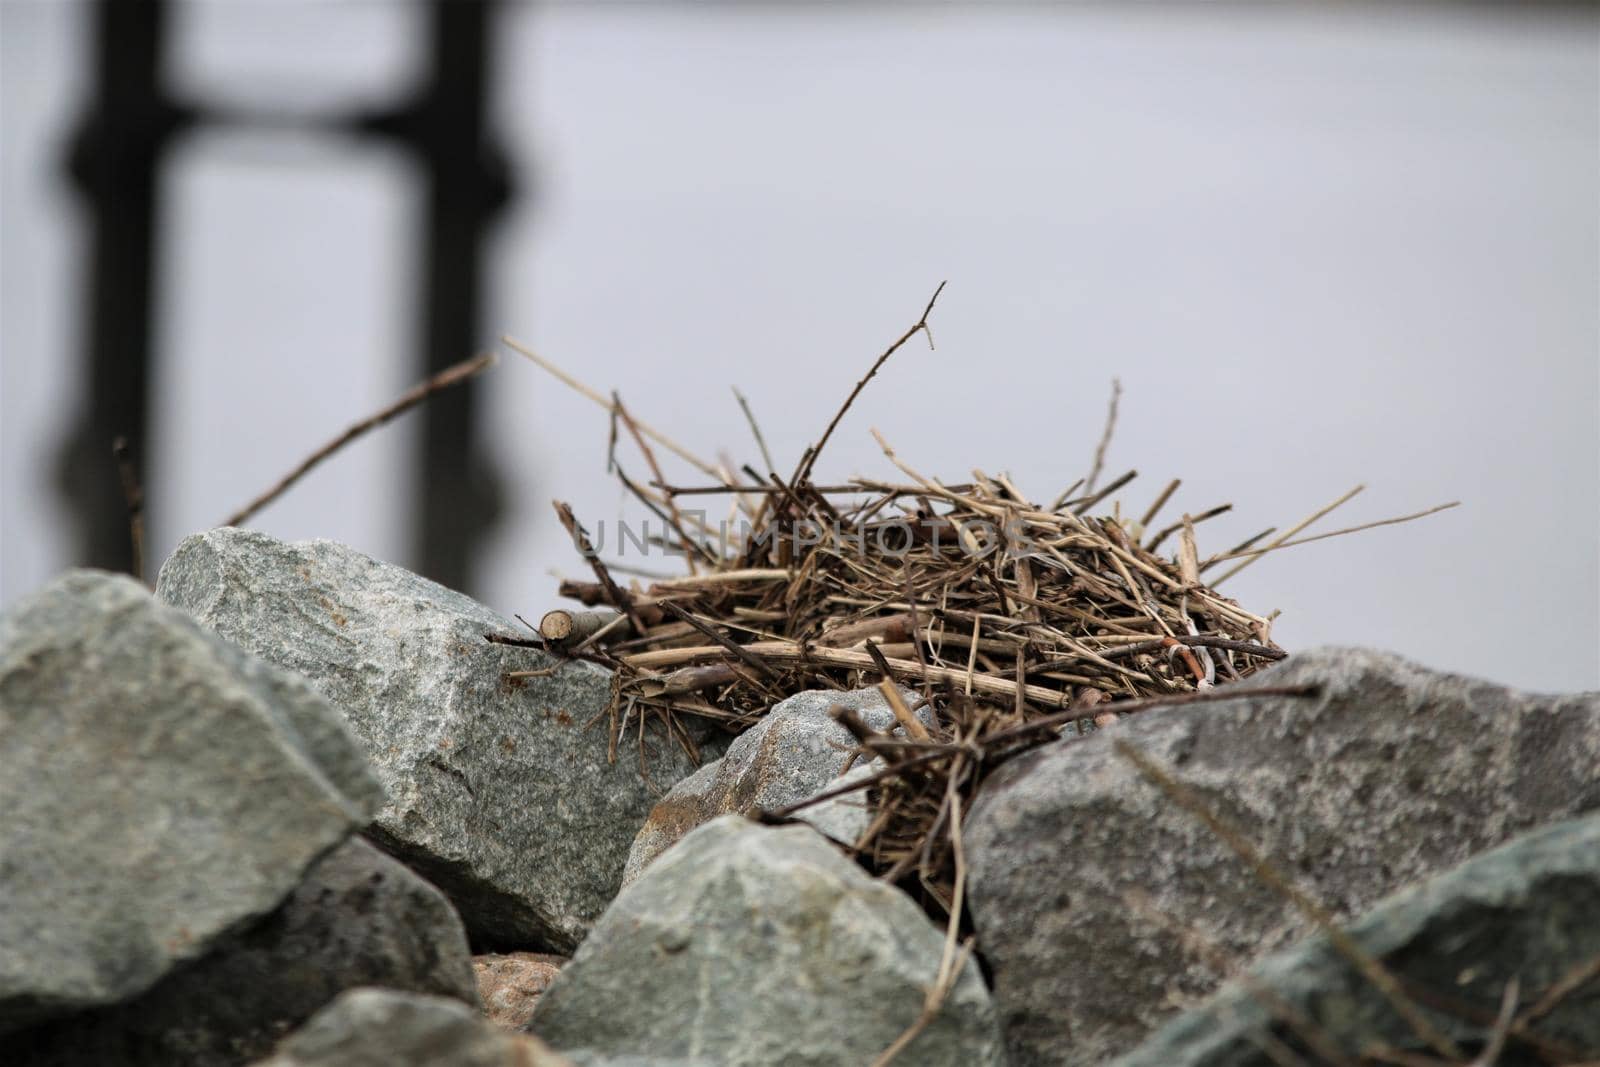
(439, 382)
(1105, 437)
(133, 497)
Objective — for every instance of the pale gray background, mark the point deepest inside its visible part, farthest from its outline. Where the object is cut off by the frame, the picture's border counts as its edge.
(1320, 244)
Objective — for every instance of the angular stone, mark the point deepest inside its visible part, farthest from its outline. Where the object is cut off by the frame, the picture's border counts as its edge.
(510, 985)
(1523, 911)
(747, 944)
(159, 788)
(796, 751)
(1084, 875)
(359, 918)
(383, 1028)
(498, 793)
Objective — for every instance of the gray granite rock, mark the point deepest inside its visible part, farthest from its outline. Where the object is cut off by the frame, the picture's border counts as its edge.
(796, 751)
(1392, 774)
(748, 944)
(383, 1028)
(497, 792)
(359, 918)
(159, 788)
(1526, 910)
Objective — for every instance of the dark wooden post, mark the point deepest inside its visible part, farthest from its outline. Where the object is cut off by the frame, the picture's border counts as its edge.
(115, 159)
(445, 127)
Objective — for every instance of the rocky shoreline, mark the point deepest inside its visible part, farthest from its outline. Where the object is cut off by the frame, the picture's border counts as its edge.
(271, 813)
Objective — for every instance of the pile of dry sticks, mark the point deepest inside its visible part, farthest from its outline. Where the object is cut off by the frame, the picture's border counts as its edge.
(1009, 620)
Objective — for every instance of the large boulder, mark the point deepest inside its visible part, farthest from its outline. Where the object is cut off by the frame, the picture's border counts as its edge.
(500, 790)
(159, 789)
(1525, 912)
(1086, 880)
(748, 944)
(359, 918)
(383, 1028)
(796, 751)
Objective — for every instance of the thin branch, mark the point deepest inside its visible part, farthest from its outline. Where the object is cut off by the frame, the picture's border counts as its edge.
(583, 390)
(1578, 976)
(1049, 723)
(1066, 494)
(417, 394)
(133, 497)
(675, 518)
(1105, 436)
(1255, 553)
(1159, 502)
(1284, 537)
(943, 752)
(1083, 505)
(803, 471)
(722, 490)
(721, 639)
(618, 597)
(1247, 647)
(1502, 1026)
(1194, 520)
(755, 429)
(673, 522)
(1240, 547)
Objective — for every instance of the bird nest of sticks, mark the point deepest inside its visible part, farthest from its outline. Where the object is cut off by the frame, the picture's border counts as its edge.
(1011, 621)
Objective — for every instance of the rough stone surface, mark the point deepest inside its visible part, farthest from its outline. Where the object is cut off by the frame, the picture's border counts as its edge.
(510, 985)
(359, 918)
(795, 752)
(748, 944)
(1525, 910)
(383, 1028)
(158, 789)
(1392, 774)
(497, 792)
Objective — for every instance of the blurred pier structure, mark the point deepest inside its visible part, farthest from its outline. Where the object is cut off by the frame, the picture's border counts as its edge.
(118, 160)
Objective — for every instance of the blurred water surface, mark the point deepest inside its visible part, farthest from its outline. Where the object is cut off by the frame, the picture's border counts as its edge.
(1320, 245)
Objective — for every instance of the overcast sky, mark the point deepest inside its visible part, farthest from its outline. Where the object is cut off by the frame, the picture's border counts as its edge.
(1320, 246)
